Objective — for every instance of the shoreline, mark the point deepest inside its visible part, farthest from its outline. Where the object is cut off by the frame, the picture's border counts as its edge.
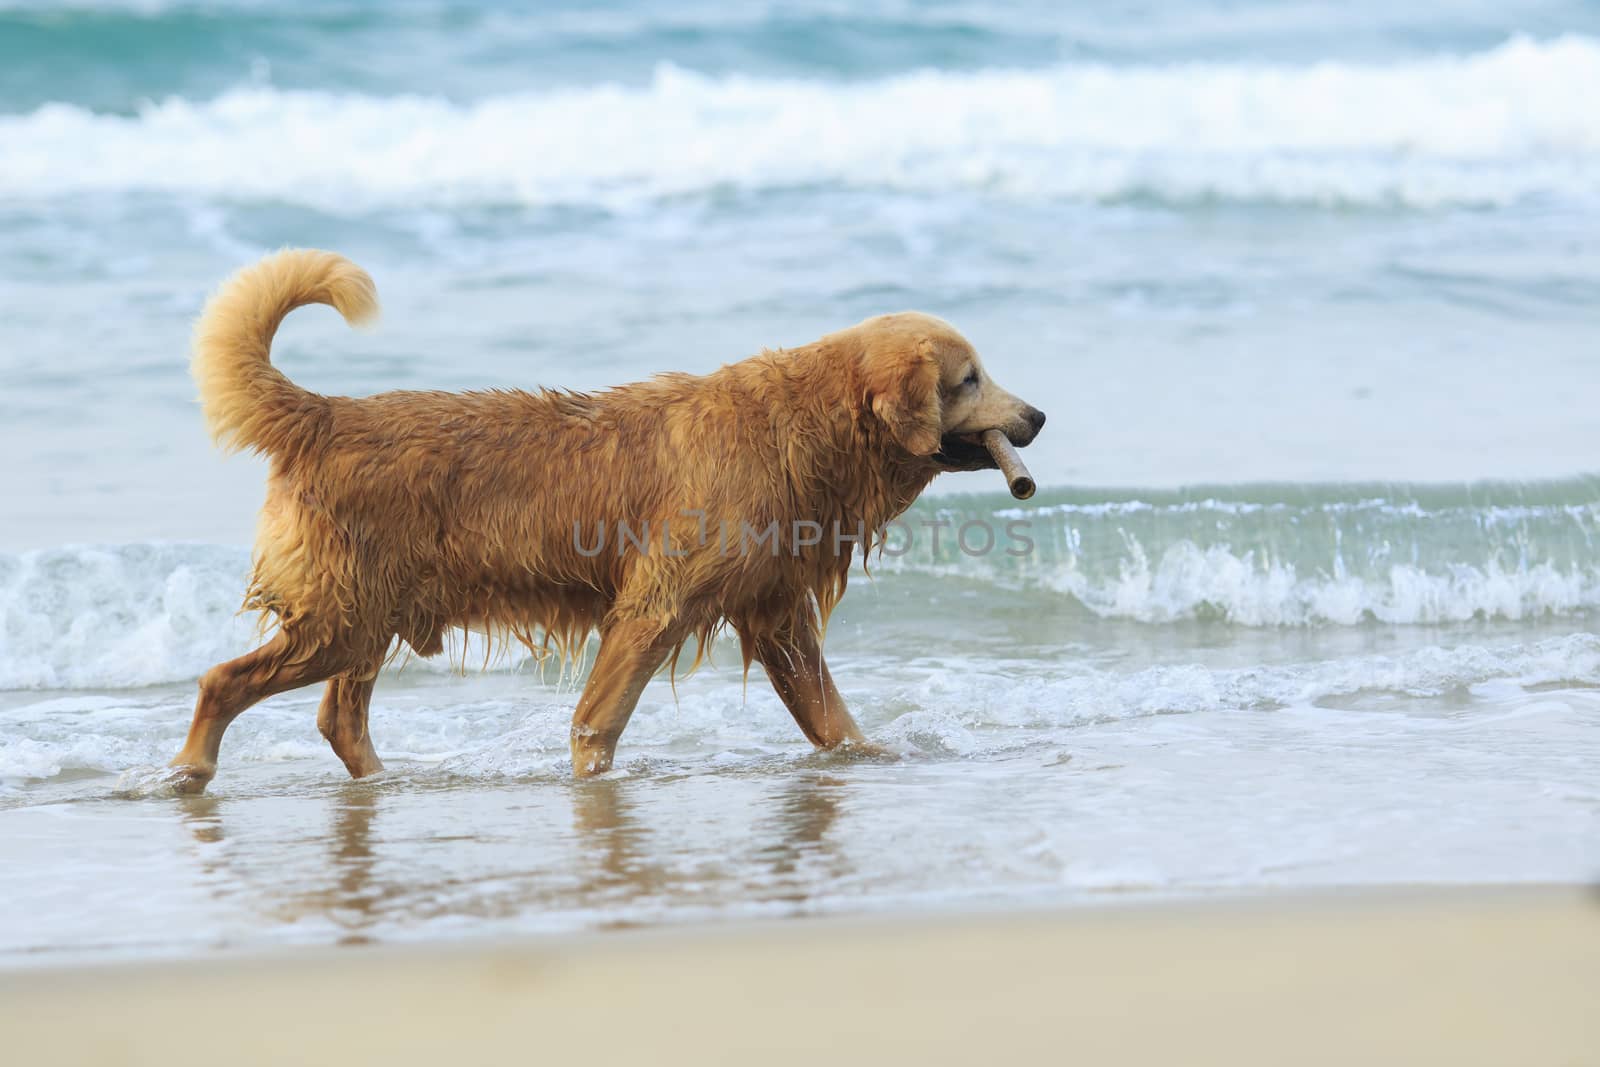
(1486, 974)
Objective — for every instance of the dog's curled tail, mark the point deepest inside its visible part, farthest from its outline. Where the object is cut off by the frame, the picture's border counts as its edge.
(249, 403)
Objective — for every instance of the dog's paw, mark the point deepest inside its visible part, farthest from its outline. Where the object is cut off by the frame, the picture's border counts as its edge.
(183, 780)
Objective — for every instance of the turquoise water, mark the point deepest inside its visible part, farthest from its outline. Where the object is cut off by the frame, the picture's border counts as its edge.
(1306, 289)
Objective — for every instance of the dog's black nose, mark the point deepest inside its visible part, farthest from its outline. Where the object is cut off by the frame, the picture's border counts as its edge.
(1035, 418)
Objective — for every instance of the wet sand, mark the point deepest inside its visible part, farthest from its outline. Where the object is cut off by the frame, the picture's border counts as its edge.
(1465, 976)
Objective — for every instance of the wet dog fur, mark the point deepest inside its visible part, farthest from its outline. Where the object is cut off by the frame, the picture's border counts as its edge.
(409, 515)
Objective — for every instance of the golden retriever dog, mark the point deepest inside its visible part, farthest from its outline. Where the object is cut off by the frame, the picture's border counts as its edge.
(652, 513)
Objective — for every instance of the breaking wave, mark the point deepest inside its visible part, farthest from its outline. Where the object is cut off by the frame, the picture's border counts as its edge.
(142, 614)
(1283, 555)
(1490, 128)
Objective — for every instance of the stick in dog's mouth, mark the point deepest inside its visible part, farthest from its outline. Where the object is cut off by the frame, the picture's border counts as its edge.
(1010, 463)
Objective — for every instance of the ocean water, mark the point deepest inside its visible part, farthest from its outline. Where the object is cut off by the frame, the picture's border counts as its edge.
(1308, 291)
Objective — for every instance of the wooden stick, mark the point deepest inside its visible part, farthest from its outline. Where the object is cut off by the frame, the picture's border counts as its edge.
(1005, 456)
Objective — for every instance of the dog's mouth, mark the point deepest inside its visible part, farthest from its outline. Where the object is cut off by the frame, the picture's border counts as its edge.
(963, 452)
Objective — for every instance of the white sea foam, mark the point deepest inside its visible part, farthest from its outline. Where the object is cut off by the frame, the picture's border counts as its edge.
(119, 616)
(1187, 581)
(125, 616)
(1489, 128)
(964, 709)
(1079, 694)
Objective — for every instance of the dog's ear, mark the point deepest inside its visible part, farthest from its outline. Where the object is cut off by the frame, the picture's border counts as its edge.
(902, 391)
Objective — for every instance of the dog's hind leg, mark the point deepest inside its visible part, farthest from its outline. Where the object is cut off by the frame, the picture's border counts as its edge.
(796, 669)
(230, 688)
(342, 718)
(630, 652)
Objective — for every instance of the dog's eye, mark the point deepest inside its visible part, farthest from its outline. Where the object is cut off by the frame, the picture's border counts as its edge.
(970, 380)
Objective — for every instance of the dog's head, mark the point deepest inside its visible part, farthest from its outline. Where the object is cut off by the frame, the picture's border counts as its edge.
(924, 382)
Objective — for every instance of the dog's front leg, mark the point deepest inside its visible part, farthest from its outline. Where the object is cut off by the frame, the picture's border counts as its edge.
(795, 666)
(630, 652)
